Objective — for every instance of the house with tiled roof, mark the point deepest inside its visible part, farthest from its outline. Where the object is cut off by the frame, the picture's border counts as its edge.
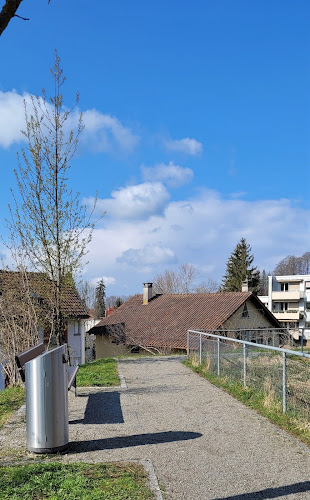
(162, 321)
(14, 286)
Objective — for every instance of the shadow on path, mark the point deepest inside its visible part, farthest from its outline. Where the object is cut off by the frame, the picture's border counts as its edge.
(128, 441)
(271, 492)
(102, 408)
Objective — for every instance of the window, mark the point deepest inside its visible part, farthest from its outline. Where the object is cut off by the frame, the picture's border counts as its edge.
(284, 287)
(245, 312)
(284, 306)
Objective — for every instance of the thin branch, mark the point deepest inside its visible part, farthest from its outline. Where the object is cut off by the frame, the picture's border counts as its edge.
(8, 11)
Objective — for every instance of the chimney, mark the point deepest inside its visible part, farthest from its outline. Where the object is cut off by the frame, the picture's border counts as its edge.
(147, 292)
(245, 286)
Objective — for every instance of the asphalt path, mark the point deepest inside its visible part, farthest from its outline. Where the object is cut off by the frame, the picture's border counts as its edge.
(201, 443)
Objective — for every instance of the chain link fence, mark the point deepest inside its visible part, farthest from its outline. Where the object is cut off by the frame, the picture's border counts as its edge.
(280, 375)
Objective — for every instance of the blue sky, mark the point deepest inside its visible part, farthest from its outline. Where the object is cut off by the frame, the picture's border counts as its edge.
(196, 126)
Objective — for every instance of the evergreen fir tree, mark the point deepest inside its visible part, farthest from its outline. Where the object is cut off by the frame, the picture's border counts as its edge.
(118, 302)
(99, 309)
(239, 268)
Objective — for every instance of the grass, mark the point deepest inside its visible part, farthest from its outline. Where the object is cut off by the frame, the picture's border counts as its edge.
(99, 373)
(263, 402)
(78, 481)
(10, 400)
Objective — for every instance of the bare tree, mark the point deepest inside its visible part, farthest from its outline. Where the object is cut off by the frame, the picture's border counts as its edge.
(48, 224)
(87, 292)
(183, 280)
(210, 286)
(293, 265)
(23, 316)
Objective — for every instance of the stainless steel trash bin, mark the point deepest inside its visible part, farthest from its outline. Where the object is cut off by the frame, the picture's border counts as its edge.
(47, 402)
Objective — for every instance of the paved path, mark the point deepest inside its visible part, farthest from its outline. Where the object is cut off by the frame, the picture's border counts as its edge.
(203, 444)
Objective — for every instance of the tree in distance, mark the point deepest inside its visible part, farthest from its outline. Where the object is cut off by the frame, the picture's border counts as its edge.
(293, 265)
(183, 280)
(50, 229)
(99, 308)
(239, 268)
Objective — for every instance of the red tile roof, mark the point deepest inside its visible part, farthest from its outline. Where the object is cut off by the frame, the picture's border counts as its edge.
(41, 287)
(164, 321)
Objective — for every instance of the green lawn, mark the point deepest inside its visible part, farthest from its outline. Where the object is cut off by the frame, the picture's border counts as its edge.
(78, 481)
(99, 373)
(10, 400)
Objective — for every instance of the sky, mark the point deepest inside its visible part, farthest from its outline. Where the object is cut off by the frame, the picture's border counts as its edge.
(197, 121)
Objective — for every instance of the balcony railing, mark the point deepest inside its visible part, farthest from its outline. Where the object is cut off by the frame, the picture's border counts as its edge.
(290, 315)
(288, 295)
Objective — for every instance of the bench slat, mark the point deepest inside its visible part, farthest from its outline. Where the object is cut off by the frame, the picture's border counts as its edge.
(32, 353)
(22, 358)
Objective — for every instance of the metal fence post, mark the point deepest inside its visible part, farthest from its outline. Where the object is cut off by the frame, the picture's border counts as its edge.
(218, 357)
(284, 383)
(187, 347)
(244, 365)
(200, 345)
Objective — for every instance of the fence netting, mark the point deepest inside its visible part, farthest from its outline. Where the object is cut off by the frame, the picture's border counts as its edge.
(278, 375)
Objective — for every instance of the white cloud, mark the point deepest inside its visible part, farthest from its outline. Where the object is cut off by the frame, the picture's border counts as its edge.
(186, 145)
(106, 134)
(148, 256)
(172, 175)
(102, 132)
(203, 231)
(108, 280)
(135, 202)
(12, 118)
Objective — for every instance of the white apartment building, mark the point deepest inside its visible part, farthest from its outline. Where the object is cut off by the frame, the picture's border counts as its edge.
(289, 300)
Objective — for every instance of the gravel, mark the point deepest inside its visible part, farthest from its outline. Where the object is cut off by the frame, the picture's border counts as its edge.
(202, 443)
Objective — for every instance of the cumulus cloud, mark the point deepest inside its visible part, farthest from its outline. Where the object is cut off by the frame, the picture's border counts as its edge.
(172, 175)
(135, 202)
(108, 280)
(148, 256)
(105, 133)
(186, 145)
(102, 133)
(203, 231)
(12, 118)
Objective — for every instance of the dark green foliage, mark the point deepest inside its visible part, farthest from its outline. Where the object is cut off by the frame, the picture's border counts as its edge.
(239, 268)
(99, 309)
(118, 302)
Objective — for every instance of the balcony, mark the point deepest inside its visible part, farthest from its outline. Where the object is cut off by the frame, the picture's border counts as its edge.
(289, 295)
(290, 315)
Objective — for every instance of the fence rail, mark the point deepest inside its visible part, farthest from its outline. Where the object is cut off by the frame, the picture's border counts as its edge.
(281, 375)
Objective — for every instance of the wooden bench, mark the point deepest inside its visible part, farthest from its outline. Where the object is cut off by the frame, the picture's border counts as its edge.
(32, 353)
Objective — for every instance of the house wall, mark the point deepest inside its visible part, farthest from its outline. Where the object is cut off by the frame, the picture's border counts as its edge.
(76, 341)
(106, 349)
(293, 292)
(255, 318)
